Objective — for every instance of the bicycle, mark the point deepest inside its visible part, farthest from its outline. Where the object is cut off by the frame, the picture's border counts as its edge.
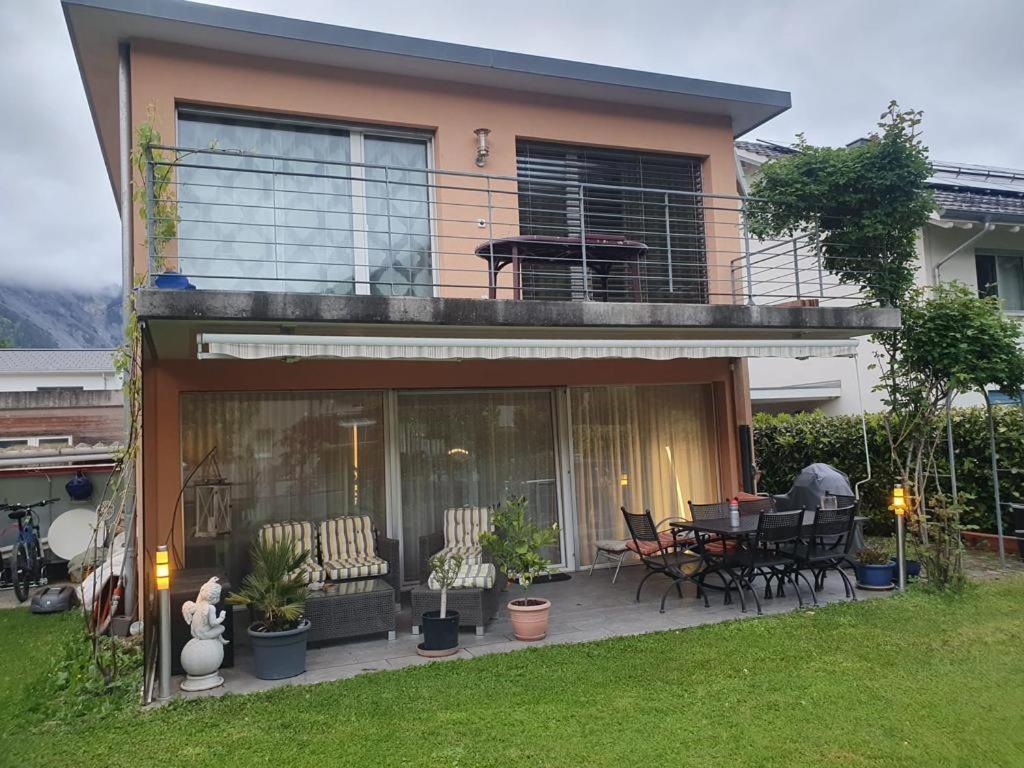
(28, 564)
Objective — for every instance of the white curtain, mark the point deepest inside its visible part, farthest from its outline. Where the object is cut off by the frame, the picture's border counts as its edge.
(287, 456)
(473, 449)
(648, 447)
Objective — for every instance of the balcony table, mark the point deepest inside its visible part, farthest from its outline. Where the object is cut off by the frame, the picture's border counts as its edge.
(608, 252)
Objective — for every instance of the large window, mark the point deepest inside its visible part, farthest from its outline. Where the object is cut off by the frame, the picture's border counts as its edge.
(473, 449)
(1002, 275)
(302, 207)
(648, 447)
(644, 196)
(283, 456)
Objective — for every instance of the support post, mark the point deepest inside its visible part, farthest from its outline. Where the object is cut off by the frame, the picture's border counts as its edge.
(901, 552)
(995, 478)
(949, 447)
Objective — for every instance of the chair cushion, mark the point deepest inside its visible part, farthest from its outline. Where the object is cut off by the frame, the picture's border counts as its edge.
(470, 576)
(346, 538)
(361, 567)
(299, 533)
(666, 539)
(463, 526)
(311, 571)
(470, 555)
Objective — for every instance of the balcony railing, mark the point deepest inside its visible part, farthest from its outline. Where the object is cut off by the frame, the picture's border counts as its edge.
(234, 220)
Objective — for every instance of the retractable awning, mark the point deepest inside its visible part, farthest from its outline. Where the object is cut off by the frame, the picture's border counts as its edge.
(231, 346)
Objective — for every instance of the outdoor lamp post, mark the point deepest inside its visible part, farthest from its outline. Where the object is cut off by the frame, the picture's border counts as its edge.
(162, 571)
(899, 506)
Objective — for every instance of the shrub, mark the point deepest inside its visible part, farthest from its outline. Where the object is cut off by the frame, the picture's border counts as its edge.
(786, 443)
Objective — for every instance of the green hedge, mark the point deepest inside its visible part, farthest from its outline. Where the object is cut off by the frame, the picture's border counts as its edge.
(786, 443)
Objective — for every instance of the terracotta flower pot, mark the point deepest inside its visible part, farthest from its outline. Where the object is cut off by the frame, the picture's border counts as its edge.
(529, 622)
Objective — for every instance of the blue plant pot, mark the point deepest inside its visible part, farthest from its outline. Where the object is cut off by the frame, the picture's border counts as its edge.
(173, 281)
(913, 569)
(875, 575)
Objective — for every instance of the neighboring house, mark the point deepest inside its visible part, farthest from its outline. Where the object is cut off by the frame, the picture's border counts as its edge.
(417, 278)
(60, 412)
(974, 236)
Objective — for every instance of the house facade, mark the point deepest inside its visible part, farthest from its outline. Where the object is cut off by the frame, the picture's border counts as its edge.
(386, 276)
(974, 236)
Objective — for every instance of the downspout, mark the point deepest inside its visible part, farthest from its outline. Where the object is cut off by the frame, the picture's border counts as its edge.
(124, 148)
(989, 226)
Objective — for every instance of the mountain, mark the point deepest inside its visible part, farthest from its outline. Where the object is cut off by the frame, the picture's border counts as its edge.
(45, 318)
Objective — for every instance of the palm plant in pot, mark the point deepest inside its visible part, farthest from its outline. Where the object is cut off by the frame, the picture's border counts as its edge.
(275, 594)
(515, 545)
(441, 628)
(874, 569)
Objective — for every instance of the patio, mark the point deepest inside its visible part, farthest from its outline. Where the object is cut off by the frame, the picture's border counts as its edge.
(584, 608)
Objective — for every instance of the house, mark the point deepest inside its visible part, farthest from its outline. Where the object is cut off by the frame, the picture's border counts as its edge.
(974, 236)
(61, 412)
(390, 276)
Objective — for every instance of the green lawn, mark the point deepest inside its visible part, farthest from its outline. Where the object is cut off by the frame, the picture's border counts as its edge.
(918, 680)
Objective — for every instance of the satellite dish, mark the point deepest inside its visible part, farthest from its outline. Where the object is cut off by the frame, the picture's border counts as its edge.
(73, 532)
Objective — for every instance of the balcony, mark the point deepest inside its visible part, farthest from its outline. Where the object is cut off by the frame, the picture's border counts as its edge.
(294, 238)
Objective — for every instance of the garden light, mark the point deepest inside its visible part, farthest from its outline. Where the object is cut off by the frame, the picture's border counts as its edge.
(899, 506)
(162, 571)
(162, 568)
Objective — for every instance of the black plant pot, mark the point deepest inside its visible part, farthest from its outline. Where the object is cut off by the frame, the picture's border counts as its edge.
(277, 655)
(440, 634)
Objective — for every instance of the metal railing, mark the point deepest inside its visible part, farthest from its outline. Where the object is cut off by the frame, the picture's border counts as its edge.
(233, 220)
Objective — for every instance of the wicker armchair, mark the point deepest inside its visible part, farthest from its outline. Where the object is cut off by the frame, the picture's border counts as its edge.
(461, 535)
(352, 548)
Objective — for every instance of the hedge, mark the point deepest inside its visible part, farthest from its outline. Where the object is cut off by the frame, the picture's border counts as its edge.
(785, 443)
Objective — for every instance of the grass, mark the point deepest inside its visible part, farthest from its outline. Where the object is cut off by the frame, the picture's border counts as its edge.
(918, 680)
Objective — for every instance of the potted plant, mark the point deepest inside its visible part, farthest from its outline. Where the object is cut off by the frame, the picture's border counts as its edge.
(275, 594)
(441, 628)
(874, 569)
(515, 546)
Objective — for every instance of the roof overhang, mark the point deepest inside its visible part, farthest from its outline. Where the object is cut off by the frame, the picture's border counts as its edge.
(97, 27)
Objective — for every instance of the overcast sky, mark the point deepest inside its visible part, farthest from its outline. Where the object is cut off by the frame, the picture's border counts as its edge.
(961, 62)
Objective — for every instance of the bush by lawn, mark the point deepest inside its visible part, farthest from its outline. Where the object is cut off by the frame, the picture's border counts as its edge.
(919, 680)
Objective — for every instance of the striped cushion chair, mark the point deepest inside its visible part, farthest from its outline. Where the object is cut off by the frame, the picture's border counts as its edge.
(470, 576)
(302, 538)
(349, 550)
(462, 529)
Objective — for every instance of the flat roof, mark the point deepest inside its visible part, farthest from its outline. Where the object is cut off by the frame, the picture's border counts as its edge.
(56, 361)
(98, 27)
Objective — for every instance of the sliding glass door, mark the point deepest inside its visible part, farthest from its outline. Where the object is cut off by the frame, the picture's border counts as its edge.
(640, 447)
(280, 205)
(473, 449)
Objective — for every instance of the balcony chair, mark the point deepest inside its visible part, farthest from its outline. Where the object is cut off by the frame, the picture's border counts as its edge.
(460, 536)
(662, 552)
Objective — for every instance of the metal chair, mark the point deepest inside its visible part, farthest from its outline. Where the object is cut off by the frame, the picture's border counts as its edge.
(757, 506)
(768, 556)
(662, 552)
(828, 547)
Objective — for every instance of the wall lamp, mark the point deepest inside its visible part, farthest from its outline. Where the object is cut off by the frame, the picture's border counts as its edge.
(482, 151)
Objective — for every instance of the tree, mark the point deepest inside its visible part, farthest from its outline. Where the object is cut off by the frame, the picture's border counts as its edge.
(867, 203)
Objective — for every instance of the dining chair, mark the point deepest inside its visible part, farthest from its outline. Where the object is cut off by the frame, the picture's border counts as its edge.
(770, 556)
(828, 546)
(662, 552)
(757, 506)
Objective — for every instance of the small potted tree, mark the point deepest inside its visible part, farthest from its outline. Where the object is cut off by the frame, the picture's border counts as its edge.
(275, 594)
(874, 569)
(441, 628)
(515, 545)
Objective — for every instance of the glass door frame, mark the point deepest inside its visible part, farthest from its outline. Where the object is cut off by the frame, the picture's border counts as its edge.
(564, 494)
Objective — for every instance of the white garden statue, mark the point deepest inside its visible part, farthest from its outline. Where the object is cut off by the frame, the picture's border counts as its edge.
(204, 653)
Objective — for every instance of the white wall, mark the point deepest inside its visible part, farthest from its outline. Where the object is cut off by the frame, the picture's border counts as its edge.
(29, 382)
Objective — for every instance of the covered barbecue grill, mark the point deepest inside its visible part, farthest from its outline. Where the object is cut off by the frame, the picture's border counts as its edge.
(813, 482)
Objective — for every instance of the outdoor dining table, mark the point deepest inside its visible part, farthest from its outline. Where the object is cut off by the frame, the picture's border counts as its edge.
(597, 252)
(723, 527)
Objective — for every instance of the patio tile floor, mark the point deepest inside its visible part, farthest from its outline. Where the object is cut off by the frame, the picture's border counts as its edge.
(584, 609)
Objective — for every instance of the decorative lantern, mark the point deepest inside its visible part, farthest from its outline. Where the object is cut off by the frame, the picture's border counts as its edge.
(212, 496)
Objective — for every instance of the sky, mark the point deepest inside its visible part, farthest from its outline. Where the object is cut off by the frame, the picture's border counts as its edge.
(842, 60)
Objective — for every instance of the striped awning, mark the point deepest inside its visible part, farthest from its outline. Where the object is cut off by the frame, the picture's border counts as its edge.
(231, 346)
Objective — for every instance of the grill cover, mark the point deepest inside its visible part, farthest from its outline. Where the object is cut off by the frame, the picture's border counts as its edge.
(811, 484)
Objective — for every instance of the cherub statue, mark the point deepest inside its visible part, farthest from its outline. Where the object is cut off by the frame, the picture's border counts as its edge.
(203, 654)
(202, 615)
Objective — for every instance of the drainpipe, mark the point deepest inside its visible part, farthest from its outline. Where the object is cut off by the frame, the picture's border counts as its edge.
(124, 148)
(989, 226)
